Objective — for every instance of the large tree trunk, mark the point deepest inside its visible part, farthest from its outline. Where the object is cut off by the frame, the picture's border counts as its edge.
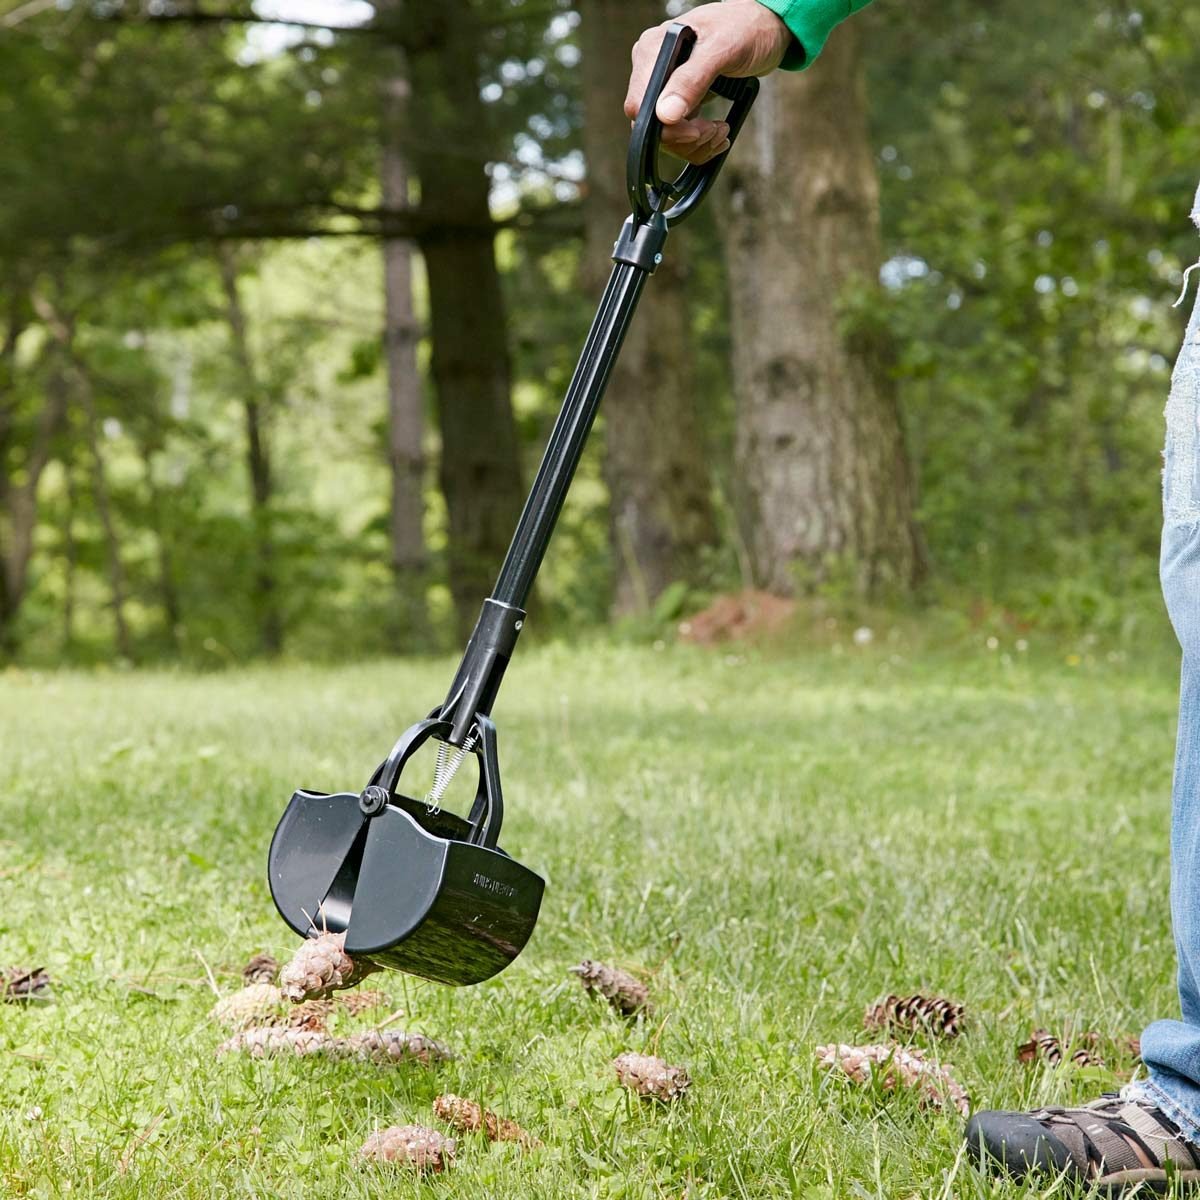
(449, 148)
(258, 461)
(825, 484)
(406, 407)
(660, 503)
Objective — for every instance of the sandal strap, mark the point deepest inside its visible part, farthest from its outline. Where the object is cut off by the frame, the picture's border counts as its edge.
(1161, 1137)
(1112, 1135)
(1114, 1151)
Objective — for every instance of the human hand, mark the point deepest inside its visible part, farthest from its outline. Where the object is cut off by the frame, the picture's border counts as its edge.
(737, 38)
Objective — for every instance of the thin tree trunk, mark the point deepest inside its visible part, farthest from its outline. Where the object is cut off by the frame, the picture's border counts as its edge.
(71, 559)
(406, 406)
(660, 497)
(825, 483)
(19, 500)
(19, 507)
(14, 327)
(480, 471)
(258, 461)
(168, 592)
(112, 543)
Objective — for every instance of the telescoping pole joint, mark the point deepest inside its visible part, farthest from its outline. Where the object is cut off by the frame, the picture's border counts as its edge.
(641, 243)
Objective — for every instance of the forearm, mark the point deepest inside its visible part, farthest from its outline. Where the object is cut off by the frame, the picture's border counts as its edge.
(811, 22)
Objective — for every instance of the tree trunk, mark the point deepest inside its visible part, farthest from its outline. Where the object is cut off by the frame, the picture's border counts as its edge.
(168, 592)
(480, 471)
(19, 500)
(406, 404)
(824, 479)
(112, 543)
(258, 462)
(18, 514)
(9, 603)
(660, 502)
(71, 559)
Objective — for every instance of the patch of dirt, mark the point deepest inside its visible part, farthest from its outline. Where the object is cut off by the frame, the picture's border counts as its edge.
(738, 617)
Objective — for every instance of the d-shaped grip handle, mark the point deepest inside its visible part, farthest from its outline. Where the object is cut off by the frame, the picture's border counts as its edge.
(648, 192)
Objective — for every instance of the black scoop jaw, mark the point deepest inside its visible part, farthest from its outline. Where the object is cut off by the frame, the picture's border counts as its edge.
(408, 888)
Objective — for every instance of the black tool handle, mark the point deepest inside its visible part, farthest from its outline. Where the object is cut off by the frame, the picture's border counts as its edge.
(648, 191)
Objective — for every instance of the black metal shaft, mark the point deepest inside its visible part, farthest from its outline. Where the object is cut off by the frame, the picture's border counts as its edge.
(637, 253)
(569, 435)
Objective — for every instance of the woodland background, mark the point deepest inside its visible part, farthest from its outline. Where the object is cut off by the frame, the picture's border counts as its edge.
(290, 293)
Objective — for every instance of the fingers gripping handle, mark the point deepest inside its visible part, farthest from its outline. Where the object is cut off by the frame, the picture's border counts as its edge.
(649, 193)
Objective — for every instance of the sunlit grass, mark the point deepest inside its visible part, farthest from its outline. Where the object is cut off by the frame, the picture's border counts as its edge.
(781, 836)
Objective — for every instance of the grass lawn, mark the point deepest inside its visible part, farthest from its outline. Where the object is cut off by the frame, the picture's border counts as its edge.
(782, 836)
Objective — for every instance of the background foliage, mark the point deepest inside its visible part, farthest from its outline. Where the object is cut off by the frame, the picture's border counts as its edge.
(1036, 167)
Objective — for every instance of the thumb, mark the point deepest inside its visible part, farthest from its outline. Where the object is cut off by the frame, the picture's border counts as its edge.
(687, 87)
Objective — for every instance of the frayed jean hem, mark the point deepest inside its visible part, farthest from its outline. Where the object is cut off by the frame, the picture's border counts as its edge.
(1154, 1093)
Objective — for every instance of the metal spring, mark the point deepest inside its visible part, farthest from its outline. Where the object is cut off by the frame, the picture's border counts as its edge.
(444, 771)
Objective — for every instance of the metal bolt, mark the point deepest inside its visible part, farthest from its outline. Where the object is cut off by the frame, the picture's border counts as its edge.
(519, 625)
(373, 800)
(657, 259)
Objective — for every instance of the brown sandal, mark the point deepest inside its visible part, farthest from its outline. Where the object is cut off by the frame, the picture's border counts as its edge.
(1113, 1143)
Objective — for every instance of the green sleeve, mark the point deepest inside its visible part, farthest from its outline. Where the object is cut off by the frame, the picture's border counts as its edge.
(811, 22)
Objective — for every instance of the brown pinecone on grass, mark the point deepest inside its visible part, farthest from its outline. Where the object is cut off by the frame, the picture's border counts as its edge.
(18, 984)
(319, 967)
(895, 1066)
(466, 1116)
(651, 1077)
(311, 1015)
(1044, 1045)
(627, 994)
(357, 1003)
(258, 1004)
(271, 1040)
(262, 968)
(916, 1014)
(394, 1045)
(410, 1145)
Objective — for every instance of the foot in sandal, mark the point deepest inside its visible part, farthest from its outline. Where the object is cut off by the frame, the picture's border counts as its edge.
(1117, 1143)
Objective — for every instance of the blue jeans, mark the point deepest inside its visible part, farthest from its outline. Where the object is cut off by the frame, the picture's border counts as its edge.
(1171, 1049)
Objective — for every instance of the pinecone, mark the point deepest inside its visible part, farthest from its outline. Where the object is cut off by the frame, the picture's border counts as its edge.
(267, 1041)
(651, 1077)
(357, 1003)
(916, 1014)
(319, 967)
(393, 1045)
(623, 991)
(258, 1004)
(413, 1145)
(377, 1046)
(311, 1015)
(262, 968)
(894, 1066)
(466, 1116)
(24, 983)
(1045, 1045)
